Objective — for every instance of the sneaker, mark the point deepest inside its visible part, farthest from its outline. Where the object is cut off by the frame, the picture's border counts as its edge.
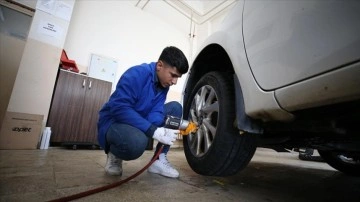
(163, 167)
(113, 165)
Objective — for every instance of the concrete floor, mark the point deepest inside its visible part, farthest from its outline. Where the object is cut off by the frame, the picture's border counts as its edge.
(41, 175)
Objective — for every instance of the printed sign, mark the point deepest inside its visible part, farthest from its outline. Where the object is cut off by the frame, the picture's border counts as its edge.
(50, 29)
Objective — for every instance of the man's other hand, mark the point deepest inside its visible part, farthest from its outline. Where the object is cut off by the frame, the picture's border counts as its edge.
(165, 135)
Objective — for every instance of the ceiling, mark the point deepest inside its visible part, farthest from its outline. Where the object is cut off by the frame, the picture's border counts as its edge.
(199, 11)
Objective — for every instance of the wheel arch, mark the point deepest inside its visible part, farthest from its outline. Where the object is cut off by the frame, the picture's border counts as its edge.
(214, 57)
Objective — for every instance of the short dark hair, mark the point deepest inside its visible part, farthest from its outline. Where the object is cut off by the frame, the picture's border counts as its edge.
(175, 58)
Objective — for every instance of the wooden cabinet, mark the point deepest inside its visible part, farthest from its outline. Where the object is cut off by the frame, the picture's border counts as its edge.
(75, 106)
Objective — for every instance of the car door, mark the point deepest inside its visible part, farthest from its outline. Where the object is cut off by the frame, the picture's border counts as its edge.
(290, 41)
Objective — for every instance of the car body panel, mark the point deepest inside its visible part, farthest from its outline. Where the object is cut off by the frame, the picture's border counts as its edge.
(322, 90)
(254, 96)
(290, 41)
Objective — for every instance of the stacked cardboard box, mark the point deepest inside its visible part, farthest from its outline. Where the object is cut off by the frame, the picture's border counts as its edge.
(20, 131)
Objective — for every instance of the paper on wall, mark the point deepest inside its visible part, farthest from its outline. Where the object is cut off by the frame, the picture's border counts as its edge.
(60, 9)
(47, 6)
(50, 29)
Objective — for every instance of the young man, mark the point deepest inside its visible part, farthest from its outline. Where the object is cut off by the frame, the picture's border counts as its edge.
(136, 111)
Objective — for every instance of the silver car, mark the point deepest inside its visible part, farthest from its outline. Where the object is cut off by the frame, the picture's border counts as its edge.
(280, 75)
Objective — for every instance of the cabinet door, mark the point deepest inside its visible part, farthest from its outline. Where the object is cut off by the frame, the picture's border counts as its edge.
(97, 93)
(65, 113)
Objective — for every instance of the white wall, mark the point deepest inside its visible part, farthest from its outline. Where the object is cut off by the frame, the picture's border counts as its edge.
(118, 29)
(129, 34)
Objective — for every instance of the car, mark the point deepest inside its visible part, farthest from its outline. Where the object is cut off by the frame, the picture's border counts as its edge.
(279, 75)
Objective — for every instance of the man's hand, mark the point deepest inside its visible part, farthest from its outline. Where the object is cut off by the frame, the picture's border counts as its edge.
(165, 135)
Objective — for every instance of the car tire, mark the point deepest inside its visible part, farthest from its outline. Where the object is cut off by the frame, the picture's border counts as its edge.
(217, 148)
(346, 163)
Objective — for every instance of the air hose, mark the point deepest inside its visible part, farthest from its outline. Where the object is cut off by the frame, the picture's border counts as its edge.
(109, 186)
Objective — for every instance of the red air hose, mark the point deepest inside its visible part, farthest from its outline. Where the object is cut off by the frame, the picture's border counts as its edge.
(110, 186)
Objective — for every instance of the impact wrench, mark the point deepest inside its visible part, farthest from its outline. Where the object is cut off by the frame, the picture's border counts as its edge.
(172, 122)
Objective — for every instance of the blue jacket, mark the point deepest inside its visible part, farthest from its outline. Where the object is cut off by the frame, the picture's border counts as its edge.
(137, 101)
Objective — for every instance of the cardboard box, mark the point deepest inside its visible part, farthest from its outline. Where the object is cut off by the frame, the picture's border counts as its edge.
(20, 131)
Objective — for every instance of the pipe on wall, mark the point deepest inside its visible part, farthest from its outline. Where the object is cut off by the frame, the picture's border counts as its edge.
(145, 4)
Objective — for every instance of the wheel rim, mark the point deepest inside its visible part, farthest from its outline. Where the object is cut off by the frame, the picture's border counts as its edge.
(204, 111)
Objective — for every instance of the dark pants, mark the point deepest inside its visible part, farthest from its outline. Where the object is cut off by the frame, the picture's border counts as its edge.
(129, 143)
